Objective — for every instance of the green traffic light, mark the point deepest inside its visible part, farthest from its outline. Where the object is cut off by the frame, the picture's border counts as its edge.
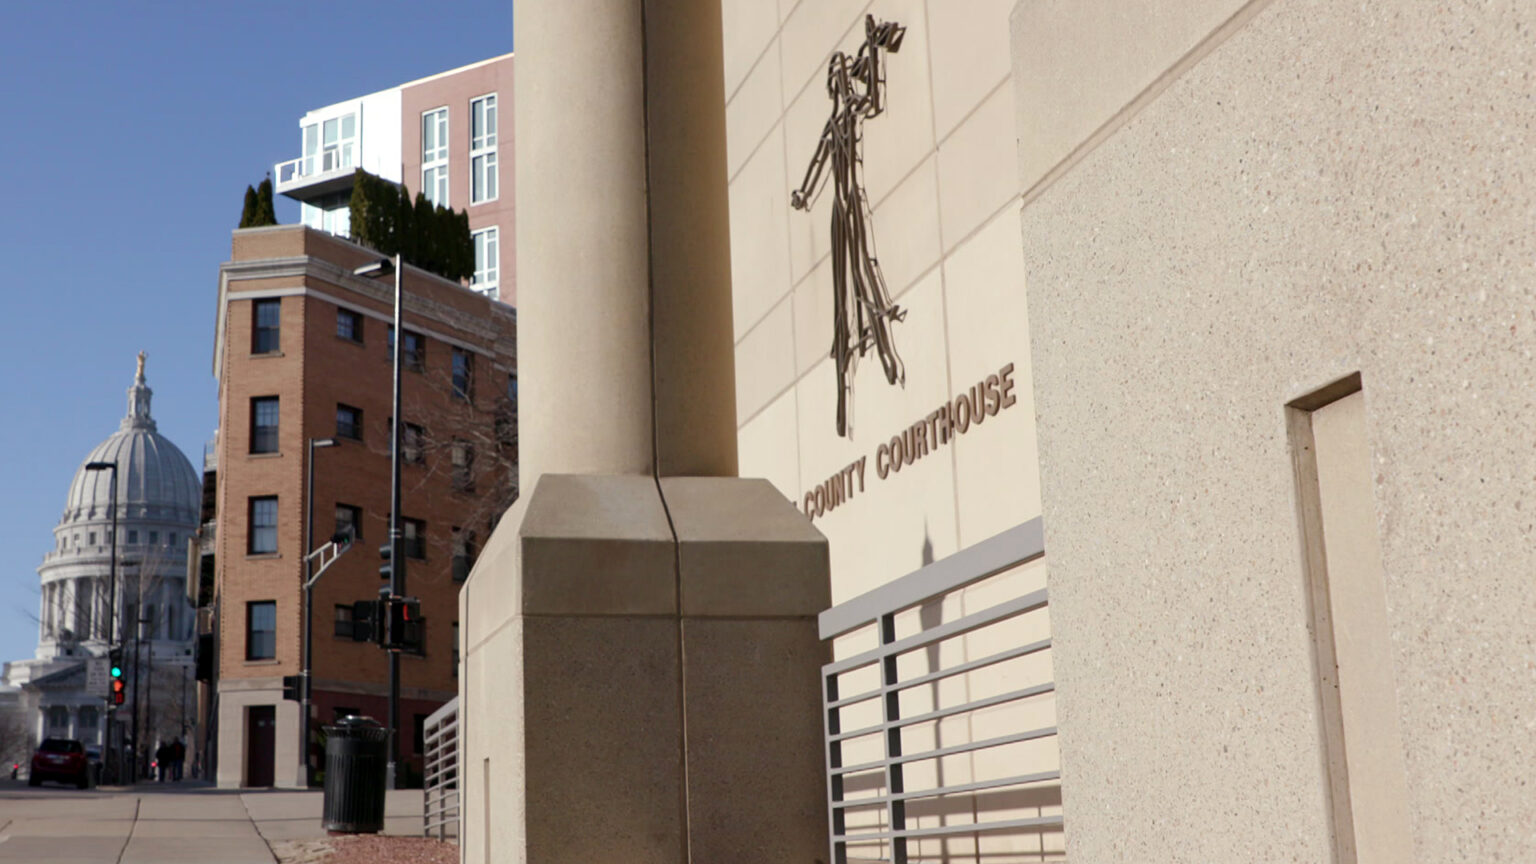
(117, 671)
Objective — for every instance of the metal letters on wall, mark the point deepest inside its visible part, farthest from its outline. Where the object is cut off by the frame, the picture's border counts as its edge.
(862, 308)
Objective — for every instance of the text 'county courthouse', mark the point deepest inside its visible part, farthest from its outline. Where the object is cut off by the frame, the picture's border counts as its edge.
(303, 354)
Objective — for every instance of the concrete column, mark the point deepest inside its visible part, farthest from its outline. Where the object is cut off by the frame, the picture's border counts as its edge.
(625, 350)
(640, 674)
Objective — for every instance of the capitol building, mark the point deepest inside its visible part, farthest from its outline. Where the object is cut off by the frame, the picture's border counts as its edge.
(156, 505)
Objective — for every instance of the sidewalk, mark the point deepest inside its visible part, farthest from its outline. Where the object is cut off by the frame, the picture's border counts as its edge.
(184, 823)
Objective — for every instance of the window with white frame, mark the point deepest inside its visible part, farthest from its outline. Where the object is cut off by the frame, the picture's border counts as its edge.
(434, 155)
(482, 149)
(330, 145)
(487, 261)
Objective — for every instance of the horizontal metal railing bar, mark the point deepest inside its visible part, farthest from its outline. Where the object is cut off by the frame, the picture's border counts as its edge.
(447, 709)
(942, 830)
(1017, 545)
(941, 674)
(960, 626)
(941, 791)
(986, 743)
(979, 704)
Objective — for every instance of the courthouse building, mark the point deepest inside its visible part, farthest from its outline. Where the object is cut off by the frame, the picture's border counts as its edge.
(1213, 319)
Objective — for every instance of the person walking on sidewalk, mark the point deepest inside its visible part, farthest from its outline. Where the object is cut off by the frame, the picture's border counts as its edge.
(178, 757)
(161, 754)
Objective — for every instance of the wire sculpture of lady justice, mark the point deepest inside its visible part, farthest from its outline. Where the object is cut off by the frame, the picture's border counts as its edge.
(856, 86)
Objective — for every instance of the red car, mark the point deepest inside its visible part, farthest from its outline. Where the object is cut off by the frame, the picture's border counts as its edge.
(62, 760)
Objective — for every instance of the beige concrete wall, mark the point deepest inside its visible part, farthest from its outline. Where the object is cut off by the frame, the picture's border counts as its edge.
(939, 165)
(1319, 189)
(235, 697)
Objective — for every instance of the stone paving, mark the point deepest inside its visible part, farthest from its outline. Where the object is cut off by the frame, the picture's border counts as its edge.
(182, 824)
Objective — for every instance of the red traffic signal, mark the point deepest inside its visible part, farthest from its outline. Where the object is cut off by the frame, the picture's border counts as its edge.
(117, 691)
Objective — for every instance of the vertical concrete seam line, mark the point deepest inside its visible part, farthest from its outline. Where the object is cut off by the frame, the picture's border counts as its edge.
(257, 828)
(1191, 58)
(137, 803)
(650, 317)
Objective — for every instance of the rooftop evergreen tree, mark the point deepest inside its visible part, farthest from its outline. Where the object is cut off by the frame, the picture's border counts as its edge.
(389, 219)
(248, 213)
(265, 213)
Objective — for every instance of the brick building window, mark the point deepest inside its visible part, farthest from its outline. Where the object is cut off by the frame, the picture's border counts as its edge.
(349, 518)
(487, 260)
(349, 422)
(344, 621)
(463, 466)
(414, 533)
(413, 353)
(349, 326)
(412, 438)
(263, 521)
(264, 415)
(464, 552)
(482, 149)
(463, 374)
(455, 649)
(434, 156)
(261, 630)
(268, 318)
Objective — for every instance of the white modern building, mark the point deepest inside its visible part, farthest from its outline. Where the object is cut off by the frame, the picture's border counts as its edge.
(446, 136)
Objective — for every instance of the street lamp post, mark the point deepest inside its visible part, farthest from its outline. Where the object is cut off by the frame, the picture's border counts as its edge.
(384, 267)
(309, 608)
(138, 632)
(111, 711)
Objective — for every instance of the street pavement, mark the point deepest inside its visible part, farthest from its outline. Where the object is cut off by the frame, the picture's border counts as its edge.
(184, 823)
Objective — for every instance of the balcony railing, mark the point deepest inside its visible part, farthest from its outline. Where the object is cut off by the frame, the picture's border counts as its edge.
(440, 772)
(309, 176)
(946, 748)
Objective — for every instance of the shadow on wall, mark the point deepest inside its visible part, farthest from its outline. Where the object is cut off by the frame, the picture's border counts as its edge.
(982, 806)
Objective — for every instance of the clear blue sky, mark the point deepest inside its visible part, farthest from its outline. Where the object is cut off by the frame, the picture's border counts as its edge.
(131, 130)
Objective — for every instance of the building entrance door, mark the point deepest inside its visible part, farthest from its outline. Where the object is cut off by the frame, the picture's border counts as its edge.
(260, 744)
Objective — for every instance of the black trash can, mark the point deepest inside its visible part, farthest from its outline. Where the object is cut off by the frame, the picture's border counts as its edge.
(354, 776)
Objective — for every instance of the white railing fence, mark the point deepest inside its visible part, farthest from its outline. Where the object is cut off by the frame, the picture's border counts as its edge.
(940, 712)
(441, 809)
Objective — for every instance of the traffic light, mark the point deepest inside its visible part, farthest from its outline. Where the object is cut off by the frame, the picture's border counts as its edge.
(407, 629)
(386, 570)
(293, 688)
(115, 667)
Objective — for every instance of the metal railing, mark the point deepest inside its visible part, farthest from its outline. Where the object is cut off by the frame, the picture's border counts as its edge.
(440, 805)
(331, 161)
(957, 683)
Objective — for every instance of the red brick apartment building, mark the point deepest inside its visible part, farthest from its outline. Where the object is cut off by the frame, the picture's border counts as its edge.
(302, 352)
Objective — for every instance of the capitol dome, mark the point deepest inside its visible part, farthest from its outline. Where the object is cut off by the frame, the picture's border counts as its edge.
(155, 480)
(115, 575)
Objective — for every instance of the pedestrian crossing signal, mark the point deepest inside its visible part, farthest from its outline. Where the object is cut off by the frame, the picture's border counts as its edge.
(117, 687)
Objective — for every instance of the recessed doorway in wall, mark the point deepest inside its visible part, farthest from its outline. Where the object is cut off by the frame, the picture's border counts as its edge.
(1346, 583)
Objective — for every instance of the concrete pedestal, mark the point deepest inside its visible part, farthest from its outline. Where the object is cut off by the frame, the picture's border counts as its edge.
(641, 672)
